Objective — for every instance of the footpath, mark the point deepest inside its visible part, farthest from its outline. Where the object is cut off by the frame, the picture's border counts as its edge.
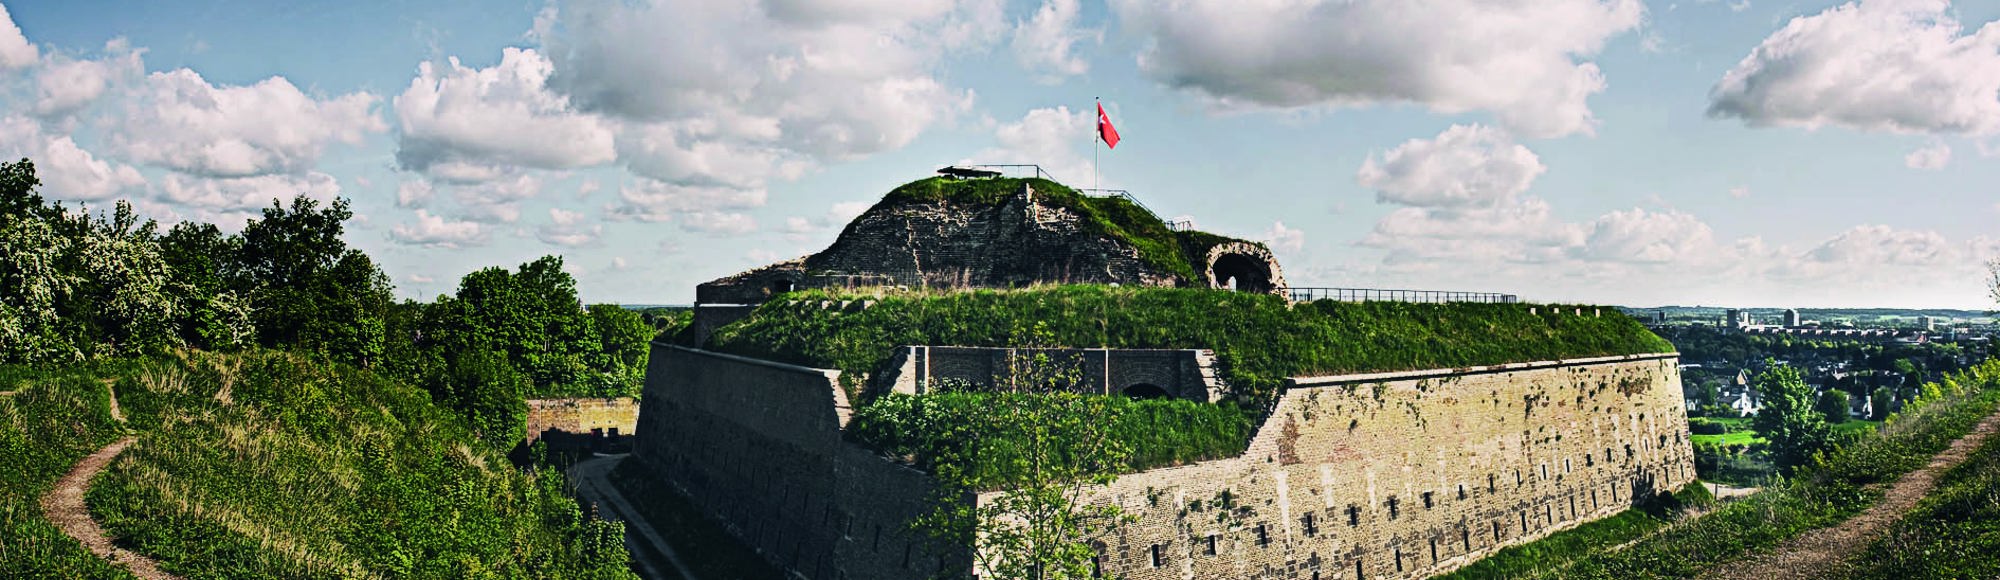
(1823, 553)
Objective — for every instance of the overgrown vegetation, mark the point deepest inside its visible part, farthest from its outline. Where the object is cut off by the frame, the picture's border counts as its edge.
(922, 429)
(50, 420)
(1954, 533)
(1828, 490)
(1180, 253)
(1260, 339)
(1557, 551)
(266, 465)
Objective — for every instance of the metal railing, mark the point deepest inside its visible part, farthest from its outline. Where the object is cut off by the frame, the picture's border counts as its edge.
(1017, 169)
(1383, 295)
(1173, 225)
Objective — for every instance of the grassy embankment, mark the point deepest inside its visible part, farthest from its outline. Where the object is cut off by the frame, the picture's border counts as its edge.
(1260, 340)
(1836, 488)
(1559, 550)
(1953, 533)
(272, 465)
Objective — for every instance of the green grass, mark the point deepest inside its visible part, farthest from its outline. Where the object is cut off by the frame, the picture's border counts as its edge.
(53, 419)
(1159, 432)
(270, 465)
(1833, 489)
(1561, 549)
(1730, 438)
(707, 549)
(1179, 253)
(1260, 339)
(1953, 533)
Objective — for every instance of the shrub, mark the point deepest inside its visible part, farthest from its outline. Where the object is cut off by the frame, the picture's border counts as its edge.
(922, 429)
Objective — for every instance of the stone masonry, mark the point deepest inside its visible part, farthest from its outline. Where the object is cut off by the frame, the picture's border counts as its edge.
(1397, 475)
(1182, 373)
(612, 417)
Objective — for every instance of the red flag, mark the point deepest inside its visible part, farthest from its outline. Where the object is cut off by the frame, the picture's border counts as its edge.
(1104, 129)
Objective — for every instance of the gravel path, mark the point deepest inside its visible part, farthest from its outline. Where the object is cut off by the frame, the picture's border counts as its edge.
(63, 506)
(592, 483)
(1822, 553)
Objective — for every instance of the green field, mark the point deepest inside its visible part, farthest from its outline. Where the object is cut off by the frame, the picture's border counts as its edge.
(1741, 433)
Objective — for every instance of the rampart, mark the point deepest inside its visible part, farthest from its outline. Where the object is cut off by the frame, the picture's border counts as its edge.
(1183, 373)
(1397, 475)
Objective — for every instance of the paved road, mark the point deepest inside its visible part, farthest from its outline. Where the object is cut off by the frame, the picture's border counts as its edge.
(593, 486)
(63, 506)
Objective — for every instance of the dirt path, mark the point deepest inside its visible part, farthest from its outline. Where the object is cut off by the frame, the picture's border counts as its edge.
(592, 483)
(111, 386)
(63, 506)
(1823, 553)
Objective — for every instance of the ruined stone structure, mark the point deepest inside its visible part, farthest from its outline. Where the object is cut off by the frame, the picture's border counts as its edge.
(1022, 240)
(1397, 475)
(584, 424)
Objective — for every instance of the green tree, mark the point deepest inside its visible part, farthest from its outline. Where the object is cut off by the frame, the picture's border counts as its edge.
(1787, 420)
(1878, 403)
(307, 289)
(1040, 522)
(533, 316)
(212, 315)
(623, 343)
(487, 391)
(1833, 405)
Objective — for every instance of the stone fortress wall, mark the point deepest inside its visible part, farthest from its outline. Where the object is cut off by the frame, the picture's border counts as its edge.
(1397, 475)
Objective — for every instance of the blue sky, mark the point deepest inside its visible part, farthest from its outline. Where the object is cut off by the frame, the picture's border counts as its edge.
(1617, 151)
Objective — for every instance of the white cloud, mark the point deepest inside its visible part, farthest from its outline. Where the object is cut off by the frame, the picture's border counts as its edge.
(780, 81)
(15, 50)
(1049, 137)
(719, 223)
(246, 194)
(1739, 192)
(1932, 157)
(1464, 166)
(618, 262)
(501, 115)
(1522, 60)
(497, 200)
(179, 121)
(846, 211)
(1879, 65)
(1521, 230)
(652, 200)
(1044, 42)
(1660, 237)
(414, 193)
(65, 85)
(67, 171)
(1284, 239)
(436, 232)
(420, 278)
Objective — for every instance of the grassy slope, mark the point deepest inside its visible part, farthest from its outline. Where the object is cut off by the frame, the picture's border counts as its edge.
(52, 420)
(1557, 551)
(1260, 339)
(1818, 497)
(1954, 533)
(1179, 253)
(310, 470)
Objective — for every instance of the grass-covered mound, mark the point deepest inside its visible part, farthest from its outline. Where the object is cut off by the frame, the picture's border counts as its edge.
(921, 429)
(1179, 253)
(1260, 339)
(278, 466)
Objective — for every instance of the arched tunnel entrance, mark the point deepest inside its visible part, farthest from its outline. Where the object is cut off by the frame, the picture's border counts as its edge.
(1145, 391)
(1244, 267)
(1242, 273)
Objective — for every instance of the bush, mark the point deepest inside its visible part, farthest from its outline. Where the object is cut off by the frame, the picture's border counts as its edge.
(1159, 432)
(1704, 426)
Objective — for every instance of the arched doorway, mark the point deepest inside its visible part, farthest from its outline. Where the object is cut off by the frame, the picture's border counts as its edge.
(1143, 391)
(781, 286)
(1242, 273)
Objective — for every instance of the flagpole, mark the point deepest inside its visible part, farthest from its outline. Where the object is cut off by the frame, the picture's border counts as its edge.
(1095, 136)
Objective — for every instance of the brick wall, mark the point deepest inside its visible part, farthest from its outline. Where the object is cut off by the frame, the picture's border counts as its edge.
(580, 416)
